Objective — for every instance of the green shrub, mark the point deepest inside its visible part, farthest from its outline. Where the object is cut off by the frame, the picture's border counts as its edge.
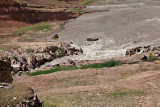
(101, 65)
(62, 52)
(15, 58)
(152, 58)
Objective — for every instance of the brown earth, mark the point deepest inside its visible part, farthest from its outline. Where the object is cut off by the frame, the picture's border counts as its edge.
(17, 13)
(18, 95)
(133, 85)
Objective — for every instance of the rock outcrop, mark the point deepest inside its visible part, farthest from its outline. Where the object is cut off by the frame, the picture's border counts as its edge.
(5, 71)
(24, 59)
(138, 54)
(24, 12)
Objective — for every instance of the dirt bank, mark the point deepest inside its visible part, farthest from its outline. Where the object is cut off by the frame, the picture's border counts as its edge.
(24, 12)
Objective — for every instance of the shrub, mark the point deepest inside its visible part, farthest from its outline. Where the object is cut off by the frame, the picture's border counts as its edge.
(15, 58)
(152, 58)
(62, 52)
(101, 65)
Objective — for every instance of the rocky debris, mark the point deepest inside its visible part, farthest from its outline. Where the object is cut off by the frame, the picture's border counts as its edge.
(134, 51)
(137, 50)
(31, 100)
(5, 71)
(92, 39)
(55, 36)
(24, 59)
(68, 63)
(4, 85)
(138, 54)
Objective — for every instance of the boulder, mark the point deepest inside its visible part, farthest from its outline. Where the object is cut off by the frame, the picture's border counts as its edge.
(5, 72)
(16, 67)
(55, 36)
(92, 39)
(50, 48)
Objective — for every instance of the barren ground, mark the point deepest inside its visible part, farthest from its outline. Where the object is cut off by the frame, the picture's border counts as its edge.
(134, 85)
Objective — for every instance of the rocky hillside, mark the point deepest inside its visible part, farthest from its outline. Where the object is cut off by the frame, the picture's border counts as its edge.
(31, 13)
(5, 71)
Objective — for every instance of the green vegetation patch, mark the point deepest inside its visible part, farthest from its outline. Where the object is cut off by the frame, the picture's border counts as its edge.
(36, 27)
(52, 70)
(62, 52)
(152, 58)
(97, 65)
(79, 11)
(88, 2)
(111, 63)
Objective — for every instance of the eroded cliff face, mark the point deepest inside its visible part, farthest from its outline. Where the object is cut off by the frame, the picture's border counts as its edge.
(24, 12)
(5, 72)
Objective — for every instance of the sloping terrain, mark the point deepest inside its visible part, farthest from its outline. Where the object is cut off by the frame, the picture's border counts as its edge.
(18, 13)
(135, 85)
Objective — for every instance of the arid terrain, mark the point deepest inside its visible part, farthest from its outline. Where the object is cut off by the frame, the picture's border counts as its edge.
(135, 85)
(79, 53)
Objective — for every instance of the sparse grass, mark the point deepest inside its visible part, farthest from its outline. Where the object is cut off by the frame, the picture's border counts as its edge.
(17, 91)
(8, 47)
(78, 10)
(62, 52)
(97, 65)
(88, 2)
(48, 104)
(152, 58)
(29, 50)
(123, 98)
(122, 93)
(36, 27)
(61, 26)
(111, 63)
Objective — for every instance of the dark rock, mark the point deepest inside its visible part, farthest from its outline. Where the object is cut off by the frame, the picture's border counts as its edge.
(5, 71)
(55, 36)
(50, 48)
(144, 58)
(92, 39)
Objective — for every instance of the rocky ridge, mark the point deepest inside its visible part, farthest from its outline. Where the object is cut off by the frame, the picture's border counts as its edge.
(25, 59)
